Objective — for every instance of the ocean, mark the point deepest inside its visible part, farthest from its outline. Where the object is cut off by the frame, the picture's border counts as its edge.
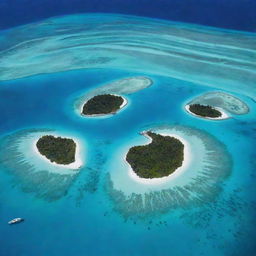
(47, 67)
(232, 14)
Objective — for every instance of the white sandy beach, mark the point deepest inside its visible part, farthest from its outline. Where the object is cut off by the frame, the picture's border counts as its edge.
(178, 171)
(223, 116)
(75, 165)
(125, 102)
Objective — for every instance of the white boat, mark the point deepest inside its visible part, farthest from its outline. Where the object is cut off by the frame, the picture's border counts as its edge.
(16, 220)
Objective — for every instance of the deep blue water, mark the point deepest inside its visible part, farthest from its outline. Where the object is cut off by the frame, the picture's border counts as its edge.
(233, 14)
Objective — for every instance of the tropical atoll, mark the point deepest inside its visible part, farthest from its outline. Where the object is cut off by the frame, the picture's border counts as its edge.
(124, 86)
(204, 111)
(222, 101)
(158, 159)
(103, 104)
(57, 149)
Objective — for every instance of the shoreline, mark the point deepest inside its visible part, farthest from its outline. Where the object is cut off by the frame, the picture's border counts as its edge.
(156, 181)
(75, 165)
(125, 102)
(223, 116)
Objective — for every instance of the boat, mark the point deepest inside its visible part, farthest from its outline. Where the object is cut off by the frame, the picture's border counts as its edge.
(15, 221)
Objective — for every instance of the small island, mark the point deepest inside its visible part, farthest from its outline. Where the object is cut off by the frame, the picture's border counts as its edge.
(158, 159)
(103, 104)
(204, 111)
(57, 149)
(224, 102)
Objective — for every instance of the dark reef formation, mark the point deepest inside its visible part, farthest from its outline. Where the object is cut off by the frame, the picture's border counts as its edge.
(204, 110)
(102, 104)
(58, 150)
(158, 159)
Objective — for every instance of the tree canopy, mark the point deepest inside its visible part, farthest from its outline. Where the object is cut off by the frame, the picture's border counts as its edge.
(204, 111)
(102, 104)
(57, 149)
(158, 159)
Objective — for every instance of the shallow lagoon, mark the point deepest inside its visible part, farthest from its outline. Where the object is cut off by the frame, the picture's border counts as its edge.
(86, 219)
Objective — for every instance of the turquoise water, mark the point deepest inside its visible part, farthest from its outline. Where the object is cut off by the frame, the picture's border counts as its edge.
(77, 214)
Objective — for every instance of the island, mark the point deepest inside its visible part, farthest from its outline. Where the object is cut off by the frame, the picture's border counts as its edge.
(204, 111)
(158, 159)
(57, 149)
(103, 104)
(223, 102)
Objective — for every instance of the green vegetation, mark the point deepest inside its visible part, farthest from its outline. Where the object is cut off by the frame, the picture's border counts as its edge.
(102, 104)
(158, 159)
(204, 111)
(58, 150)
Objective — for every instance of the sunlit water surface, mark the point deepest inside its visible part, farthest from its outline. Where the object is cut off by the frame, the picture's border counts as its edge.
(91, 211)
